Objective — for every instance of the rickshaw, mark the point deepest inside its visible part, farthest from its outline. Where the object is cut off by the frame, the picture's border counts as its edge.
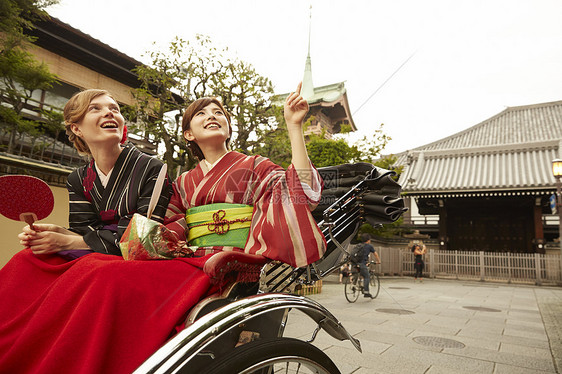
(240, 329)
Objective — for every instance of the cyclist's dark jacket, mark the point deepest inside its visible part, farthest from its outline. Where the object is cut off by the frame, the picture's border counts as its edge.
(367, 250)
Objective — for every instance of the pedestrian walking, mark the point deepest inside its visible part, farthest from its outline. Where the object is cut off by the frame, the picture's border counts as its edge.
(418, 251)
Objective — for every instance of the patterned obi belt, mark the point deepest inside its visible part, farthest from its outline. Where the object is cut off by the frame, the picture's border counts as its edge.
(220, 224)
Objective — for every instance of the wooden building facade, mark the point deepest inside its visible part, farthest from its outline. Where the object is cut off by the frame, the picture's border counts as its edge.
(79, 62)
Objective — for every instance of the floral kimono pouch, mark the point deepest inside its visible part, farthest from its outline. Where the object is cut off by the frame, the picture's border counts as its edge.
(146, 239)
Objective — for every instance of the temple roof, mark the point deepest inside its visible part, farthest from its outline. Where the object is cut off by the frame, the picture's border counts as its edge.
(511, 151)
(328, 94)
(332, 99)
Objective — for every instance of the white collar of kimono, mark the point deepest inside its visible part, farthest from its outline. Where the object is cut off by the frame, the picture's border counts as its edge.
(103, 178)
(209, 165)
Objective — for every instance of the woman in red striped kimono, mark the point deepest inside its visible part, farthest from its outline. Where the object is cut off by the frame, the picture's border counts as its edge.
(231, 201)
(69, 302)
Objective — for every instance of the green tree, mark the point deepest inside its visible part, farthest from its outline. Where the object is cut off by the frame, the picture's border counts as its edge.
(335, 151)
(329, 152)
(190, 70)
(273, 143)
(273, 139)
(387, 230)
(18, 15)
(370, 147)
(247, 96)
(20, 73)
(162, 83)
(388, 162)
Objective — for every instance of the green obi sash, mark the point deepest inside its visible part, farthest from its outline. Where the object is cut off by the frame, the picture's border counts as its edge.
(220, 224)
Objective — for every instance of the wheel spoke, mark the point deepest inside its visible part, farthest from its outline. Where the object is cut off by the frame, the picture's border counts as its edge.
(292, 365)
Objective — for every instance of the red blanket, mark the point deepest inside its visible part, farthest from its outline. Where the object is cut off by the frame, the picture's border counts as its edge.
(96, 314)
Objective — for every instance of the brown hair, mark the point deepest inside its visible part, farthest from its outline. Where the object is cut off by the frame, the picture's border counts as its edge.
(190, 112)
(75, 110)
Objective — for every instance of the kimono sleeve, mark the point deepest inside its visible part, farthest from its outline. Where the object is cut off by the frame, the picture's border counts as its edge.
(83, 215)
(282, 225)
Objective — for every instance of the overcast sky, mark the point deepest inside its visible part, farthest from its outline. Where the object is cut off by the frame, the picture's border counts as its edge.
(466, 60)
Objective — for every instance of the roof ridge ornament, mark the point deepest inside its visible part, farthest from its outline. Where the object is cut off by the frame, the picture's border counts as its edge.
(307, 90)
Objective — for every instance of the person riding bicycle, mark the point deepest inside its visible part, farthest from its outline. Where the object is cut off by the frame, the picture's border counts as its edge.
(363, 269)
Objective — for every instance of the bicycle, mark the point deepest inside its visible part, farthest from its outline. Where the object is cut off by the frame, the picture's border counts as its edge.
(353, 284)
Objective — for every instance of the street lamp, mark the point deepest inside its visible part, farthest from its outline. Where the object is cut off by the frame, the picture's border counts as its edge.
(557, 168)
(557, 172)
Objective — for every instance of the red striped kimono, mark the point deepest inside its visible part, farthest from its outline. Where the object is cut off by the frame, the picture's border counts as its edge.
(282, 226)
(97, 313)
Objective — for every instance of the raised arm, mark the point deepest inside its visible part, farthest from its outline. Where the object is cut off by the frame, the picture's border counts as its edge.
(296, 108)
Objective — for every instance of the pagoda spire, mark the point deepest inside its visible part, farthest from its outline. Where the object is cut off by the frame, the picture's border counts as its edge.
(307, 90)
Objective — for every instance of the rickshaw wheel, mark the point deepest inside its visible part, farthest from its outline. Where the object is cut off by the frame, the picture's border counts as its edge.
(275, 355)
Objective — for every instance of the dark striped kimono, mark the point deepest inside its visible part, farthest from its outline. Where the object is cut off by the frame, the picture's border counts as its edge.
(101, 214)
(96, 313)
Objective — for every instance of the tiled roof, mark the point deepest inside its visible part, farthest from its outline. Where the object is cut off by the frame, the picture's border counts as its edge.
(513, 150)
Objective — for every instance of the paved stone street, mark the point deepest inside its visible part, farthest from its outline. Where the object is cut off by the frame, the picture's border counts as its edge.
(443, 326)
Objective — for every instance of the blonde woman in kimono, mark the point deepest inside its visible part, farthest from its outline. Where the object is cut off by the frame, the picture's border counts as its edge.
(234, 202)
(70, 303)
(117, 181)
